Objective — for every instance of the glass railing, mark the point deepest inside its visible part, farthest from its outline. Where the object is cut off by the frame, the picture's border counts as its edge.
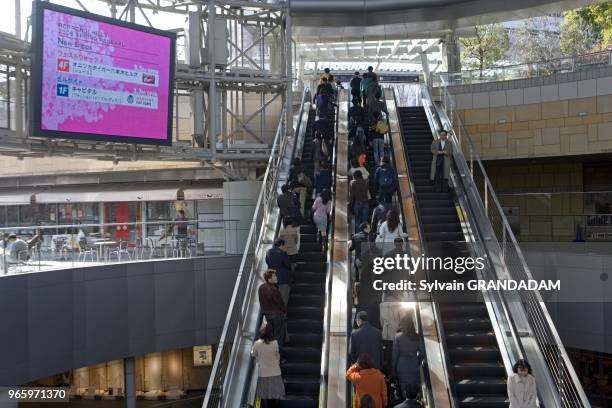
(522, 71)
(49, 247)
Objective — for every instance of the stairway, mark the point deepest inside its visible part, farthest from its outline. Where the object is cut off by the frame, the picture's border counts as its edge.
(301, 368)
(477, 370)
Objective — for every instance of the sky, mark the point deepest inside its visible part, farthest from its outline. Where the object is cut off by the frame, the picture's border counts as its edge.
(7, 19)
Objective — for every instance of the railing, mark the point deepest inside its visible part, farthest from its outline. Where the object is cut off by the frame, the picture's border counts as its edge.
(569, 392)
(327, 310)
(252, 257)
(521, 71)
(51, 247)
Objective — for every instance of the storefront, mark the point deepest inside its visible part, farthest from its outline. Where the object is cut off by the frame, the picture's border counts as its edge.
(124, 213)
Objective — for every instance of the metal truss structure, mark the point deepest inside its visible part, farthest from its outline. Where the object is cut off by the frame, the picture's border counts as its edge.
(232, 83)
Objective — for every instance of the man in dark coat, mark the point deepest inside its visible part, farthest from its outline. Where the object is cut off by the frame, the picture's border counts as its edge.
(288, 203)
(367, 339)
(278, 260)
(272, 305)
(354, 84)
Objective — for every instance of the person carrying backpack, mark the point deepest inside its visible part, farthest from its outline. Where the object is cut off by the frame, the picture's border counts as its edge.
(378, 128)
(385, 179)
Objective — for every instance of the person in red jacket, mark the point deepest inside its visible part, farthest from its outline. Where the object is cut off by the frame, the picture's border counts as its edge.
(368, 380)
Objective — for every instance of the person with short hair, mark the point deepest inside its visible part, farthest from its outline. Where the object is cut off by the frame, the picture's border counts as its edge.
(367, 339)
(522, 389)
(361, 243)
(377, 140)
(385, 178)
(272, 305)
(17, 249)
(368, 380)
(270, 386)
(442, 151)
(380, 211)
(278, 260)
(354, 85)
(359, 197)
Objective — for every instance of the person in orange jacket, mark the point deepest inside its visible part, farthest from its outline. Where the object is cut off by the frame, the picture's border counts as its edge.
(368, 380)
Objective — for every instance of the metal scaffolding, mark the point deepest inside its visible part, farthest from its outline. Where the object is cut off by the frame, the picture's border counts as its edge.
(233, 83)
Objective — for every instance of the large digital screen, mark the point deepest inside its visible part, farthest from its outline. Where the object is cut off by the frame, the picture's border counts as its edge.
(98, 78)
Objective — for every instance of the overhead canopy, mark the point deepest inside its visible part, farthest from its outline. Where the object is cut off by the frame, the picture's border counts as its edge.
(17, 197)
(123, 193)
(361, 20)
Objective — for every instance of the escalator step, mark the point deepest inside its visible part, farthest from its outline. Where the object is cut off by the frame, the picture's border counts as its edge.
(444, 236)
(482, 385)
(306, 300)
(484, 401)
(298, 353)
(310, 247)
(300, 401)
(475, 323)
(309, 277)
(301, 384)
(307, 266)
(482, 369)
(473, 353)
(310, 256)
(301, 368)
(307, 288)
(304, 312)
(466, 338)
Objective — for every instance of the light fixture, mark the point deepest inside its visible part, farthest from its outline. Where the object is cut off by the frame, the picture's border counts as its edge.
(501, 121)
(581, 114)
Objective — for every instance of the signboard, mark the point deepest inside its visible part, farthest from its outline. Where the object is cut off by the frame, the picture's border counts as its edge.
(202, 356)
(102, 79)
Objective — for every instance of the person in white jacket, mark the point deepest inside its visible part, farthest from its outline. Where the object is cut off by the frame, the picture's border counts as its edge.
(389, 230)
(522, 390)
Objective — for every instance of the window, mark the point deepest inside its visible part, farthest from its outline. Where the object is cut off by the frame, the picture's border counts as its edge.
(168, 211)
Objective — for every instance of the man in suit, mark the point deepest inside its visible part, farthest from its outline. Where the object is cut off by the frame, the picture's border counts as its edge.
(367, 339)
(442, 151)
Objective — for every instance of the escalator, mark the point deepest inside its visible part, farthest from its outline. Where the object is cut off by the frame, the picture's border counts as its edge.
(302, 355)
(477, 371)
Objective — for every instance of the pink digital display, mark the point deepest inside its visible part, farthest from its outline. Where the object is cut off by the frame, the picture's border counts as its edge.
(103, 79)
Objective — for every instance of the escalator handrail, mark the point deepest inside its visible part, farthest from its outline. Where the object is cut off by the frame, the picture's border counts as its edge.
(244, 279)
(534, 303)
(329, 274)
(437, 317)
